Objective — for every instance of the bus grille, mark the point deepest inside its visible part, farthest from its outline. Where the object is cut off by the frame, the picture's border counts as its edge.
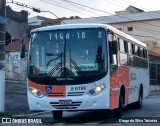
(75, 93)
(74, 105)
(55, 94)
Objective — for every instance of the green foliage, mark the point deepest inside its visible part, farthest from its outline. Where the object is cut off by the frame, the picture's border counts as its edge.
(5, 114)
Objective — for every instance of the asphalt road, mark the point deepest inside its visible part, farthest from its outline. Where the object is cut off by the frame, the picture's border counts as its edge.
(16, 98)
(150, 111)
(16, 104)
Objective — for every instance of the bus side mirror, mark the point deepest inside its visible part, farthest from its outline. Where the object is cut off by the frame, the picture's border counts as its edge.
(22, 50)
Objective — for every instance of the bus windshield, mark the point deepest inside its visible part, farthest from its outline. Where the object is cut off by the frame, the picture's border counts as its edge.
(68, 53)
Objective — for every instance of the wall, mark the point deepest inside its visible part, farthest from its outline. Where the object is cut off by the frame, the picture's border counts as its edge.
(19, 23)
(17, 29)
(16, 68)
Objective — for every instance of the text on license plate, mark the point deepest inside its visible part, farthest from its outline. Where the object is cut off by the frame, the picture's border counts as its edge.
(65, 102)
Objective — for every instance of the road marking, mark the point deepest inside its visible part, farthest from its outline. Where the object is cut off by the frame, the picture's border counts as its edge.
(90, 123)
(34, 114)
(59, 124)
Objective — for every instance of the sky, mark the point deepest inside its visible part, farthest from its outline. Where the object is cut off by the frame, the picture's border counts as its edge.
(108, 6)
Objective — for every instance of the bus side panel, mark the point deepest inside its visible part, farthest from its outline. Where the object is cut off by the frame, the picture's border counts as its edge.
(138, 76)
(117, 79)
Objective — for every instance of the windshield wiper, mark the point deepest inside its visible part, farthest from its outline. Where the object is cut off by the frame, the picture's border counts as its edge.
(59, 55)
(75, 65)
(59, 65)
(51, 72)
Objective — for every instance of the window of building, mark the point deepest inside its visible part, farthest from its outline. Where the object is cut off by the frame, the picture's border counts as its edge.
(130, 28)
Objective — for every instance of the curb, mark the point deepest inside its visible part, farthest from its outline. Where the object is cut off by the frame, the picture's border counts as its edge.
(14, 81)
(33, 114)
(153, 96)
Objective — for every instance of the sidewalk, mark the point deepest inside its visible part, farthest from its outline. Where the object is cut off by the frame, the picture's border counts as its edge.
(154, 94)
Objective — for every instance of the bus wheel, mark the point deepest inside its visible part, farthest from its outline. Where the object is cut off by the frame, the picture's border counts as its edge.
(57, 115)
(118, 112)
(138, 104)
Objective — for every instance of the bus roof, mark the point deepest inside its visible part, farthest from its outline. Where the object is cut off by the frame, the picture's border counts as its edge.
(87, 25)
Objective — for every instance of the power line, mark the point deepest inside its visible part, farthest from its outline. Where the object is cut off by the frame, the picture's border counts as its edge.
(134, 4)
(34, 9)
(70, 9)
(108, 12)
(113, 3)
(86, 11)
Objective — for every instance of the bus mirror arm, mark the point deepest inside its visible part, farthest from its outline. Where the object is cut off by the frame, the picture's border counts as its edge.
(22, 47)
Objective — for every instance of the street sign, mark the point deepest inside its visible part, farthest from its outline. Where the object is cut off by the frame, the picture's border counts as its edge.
(5, 20)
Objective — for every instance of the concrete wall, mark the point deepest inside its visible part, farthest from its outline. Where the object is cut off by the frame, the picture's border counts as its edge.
(19, 23)
(16, 68)
(17, 29)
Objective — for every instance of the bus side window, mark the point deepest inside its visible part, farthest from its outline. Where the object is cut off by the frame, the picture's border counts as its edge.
(126, 46)
(121, 45)
(129, 48)
(136, 50)
(133, 48)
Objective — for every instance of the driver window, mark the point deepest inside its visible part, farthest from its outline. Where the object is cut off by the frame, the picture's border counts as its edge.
(113, 57)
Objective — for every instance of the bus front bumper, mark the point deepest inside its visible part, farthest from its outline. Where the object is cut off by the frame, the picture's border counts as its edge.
(86, 102)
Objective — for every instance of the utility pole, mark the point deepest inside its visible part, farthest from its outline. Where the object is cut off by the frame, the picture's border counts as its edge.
(2, 54)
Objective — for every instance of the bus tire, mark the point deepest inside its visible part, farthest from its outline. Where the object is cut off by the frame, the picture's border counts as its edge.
(138, 104)
(57, 115)
(118, 112)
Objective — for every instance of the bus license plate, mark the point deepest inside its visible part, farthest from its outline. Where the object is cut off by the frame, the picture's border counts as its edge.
(65, 102)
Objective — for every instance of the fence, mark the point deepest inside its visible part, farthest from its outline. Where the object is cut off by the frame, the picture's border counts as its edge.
(154, 75)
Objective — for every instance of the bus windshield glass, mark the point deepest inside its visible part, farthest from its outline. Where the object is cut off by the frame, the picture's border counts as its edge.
(68, 53)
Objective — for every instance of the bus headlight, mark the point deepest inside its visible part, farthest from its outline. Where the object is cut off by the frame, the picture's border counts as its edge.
(96, 90)
(36, 92)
